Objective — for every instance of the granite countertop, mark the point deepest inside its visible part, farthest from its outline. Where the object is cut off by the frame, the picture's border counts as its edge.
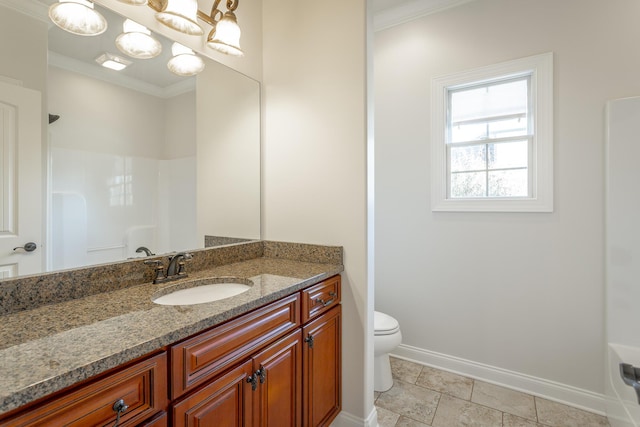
(48, 348)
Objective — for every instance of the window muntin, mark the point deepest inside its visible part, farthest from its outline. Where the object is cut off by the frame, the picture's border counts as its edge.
(489, 137)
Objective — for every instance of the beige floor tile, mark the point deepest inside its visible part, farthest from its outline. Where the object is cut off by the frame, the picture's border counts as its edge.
(504, 399)
(386, 418)
(408, 422)
(461, 413)
(559, 415)
(376, 395)
(414, 402)
(404, 370)
(509, 420)
(446, 382)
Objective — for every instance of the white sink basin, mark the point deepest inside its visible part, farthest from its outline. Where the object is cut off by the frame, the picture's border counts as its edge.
(201, 291)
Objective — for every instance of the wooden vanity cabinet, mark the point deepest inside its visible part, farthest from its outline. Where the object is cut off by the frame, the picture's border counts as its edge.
(291, 379)
(142, 386)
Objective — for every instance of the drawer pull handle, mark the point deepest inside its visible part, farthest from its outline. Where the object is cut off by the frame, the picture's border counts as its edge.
(253, 380)
(323, 302)
(119, 407)
(309, 340)
(262, 374)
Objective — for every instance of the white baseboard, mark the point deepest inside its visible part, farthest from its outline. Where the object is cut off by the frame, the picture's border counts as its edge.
(345, 419)
(558, 392)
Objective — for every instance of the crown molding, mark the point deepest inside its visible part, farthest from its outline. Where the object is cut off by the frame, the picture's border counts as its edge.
(410, 10)
(100, 73)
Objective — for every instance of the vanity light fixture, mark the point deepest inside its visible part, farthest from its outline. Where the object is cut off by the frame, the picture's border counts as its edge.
(112, 62)
(135, 2)
(181, 15)
(77, 17)
(225, 34)
(137, 42)
(184, 61)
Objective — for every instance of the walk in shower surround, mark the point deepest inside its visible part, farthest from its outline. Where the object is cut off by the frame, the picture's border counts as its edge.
(104, 206)
(623, 258)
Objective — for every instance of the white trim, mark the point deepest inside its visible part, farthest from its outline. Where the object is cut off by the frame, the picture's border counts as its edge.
(408, 11)
(550, 390)
(345, 419)
(541, 67)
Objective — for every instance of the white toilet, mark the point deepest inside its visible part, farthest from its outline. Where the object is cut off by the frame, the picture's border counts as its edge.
(387, 338)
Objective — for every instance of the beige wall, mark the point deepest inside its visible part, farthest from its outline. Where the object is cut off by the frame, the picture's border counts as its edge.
(522, 293)
(26, 39)
(228, 160)
(314, 178)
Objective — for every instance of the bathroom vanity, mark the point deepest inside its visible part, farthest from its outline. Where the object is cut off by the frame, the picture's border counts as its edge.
(268, 356)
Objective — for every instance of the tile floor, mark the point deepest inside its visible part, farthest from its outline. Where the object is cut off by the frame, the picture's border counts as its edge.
(423, 396)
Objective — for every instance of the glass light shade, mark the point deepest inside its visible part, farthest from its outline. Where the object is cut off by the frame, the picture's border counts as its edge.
(137, 42)
(135, 2)
(77, 17)
(181, 15)
(226, 37)
(184, 61)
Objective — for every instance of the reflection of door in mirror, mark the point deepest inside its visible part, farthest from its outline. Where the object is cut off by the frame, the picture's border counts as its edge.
(20, 197)
(121, 163)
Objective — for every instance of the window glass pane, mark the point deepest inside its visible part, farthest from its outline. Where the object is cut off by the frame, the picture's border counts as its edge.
(468, 158)
(469, 132)
(494, 110)
(468, 184)
(508, 127)
(508, 155)
(485, 101)
(508, 183)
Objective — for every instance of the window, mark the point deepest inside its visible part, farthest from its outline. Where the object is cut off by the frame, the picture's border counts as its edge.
(492, 138)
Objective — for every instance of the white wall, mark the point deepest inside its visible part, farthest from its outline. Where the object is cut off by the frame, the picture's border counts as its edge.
(314, 155)
(520, 292)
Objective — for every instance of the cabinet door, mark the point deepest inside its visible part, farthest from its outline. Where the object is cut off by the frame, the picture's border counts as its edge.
(322, 369)
(279, 372)
(225, 402)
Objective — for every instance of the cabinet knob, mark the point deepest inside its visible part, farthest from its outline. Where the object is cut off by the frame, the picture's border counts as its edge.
(253, 380)
(262, 374)
(309, 340)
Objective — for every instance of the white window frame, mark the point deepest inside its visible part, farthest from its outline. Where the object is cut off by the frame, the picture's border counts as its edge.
(540, 68)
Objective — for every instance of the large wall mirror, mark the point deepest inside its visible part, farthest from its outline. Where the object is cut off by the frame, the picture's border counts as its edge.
(139, 158)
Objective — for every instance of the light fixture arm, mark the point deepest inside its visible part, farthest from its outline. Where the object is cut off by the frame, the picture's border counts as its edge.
(216, 14)
(211, 19)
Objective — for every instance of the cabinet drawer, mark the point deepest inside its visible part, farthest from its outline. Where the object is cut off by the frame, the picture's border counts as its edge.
(320, 298)
(142, 387)
(208, 354)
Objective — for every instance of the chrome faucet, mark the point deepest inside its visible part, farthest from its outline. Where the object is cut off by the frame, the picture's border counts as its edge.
(175, 270)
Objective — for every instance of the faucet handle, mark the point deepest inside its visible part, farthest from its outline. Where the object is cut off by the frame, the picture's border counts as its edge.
(158, 269)
(186, 258)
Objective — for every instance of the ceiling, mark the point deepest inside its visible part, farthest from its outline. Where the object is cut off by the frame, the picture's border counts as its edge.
(388, 13)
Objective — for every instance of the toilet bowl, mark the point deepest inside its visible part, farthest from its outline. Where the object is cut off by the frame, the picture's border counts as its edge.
(387, 337)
